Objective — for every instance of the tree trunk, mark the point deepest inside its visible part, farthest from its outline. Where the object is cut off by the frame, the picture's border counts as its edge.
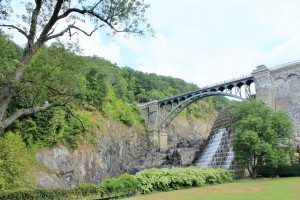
(7, 92)
(253, 171)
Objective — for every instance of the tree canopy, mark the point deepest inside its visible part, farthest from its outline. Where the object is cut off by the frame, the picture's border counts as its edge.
(263, 136)
(40, 21)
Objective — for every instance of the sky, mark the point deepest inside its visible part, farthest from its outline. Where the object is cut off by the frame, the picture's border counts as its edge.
(206, 41)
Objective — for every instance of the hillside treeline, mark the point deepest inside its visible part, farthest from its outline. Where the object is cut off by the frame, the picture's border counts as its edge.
(82, 85)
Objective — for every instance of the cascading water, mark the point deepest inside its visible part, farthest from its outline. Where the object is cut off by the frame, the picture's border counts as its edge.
(210, 150)
(229, 159)
(218, 150)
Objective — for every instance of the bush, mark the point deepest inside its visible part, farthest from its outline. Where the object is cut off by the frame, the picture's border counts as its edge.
(57, 194)
(119, 186)
(15, 163)
(283, 171)
(146, 181)
(178, 178)
(112, 187)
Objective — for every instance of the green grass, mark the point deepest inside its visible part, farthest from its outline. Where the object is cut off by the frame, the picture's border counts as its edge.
(262, 189)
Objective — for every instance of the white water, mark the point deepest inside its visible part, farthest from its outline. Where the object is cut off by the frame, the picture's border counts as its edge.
(229, 159)
(218, 152)
(210, 150)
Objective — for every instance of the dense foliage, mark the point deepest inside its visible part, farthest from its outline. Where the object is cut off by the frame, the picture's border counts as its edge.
(152, 180)
(146, 181)
(15, 163)
(262, 136)
(113, 187)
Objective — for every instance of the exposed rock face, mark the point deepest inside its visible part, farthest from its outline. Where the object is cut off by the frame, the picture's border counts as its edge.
(182, 154)
(185, 140)
(48, 180)
(185, 132)
(122, 149)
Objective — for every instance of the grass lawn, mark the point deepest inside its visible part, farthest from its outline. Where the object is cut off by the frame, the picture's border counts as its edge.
(261, 189)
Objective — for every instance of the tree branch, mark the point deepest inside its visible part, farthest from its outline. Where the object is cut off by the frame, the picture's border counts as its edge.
(3, 48)
(55, 91)
(68, 29)
(17, 28)
(24, 112)
(96, 4)
(52, 21)
(33, 27)
(91, 12)
(69, 110)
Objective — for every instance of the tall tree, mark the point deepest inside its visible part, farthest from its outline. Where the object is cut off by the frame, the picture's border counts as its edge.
(262, 136)
(46, 20)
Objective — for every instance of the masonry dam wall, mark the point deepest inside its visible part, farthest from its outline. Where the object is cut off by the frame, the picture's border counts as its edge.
(279, 87)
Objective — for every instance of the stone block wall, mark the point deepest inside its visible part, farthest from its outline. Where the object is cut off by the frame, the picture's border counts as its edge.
(280, 88)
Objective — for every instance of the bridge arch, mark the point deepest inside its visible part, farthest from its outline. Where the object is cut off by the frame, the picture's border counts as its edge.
(166, 120)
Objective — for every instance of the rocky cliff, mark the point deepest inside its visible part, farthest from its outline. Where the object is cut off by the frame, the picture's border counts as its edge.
(119, 149)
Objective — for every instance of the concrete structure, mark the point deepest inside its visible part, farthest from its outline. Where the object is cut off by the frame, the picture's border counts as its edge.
(279, 87)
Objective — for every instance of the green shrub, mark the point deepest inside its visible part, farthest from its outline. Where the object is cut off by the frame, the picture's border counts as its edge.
(15, 163)
(283, 171)
(57, 194)
(146, 181)
(178, 178)
(119, 186)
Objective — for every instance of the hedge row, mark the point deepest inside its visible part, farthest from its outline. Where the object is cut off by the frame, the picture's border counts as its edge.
(47, 194)
(178, 178)
(146, 181)
(109, 188)
(283, 171)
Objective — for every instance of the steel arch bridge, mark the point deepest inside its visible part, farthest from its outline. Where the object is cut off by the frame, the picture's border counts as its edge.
(238, 88)
(277, 86)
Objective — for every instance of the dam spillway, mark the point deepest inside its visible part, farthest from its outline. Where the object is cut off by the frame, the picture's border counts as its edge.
(218, 150)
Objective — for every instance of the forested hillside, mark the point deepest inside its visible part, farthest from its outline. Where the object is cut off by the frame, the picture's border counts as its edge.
(92, 97)
(80, 85)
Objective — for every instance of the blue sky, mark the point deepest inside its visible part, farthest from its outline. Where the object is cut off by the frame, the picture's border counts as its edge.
(207, 41)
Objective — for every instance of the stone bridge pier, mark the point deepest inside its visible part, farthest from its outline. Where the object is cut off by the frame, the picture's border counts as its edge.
(157, 136)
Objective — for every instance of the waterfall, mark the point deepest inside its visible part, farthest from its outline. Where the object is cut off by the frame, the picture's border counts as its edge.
(218, 151)
(229, 159)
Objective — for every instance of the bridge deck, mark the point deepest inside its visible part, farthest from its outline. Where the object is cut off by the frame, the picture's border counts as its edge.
(215, 86)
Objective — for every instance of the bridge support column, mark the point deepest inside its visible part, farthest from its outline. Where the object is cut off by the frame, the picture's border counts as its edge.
(154, 139)
(157, 137)
(163, 139)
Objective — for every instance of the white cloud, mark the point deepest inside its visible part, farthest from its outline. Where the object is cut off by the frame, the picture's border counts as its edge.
(210, 41)
(207, 41)
(95, 44)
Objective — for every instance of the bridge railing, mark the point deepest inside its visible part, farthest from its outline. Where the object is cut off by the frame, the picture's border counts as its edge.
(227, 81)
(210, 86)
